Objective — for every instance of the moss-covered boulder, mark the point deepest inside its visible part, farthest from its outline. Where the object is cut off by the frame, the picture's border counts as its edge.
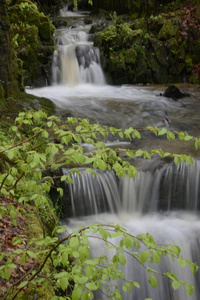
(168, 30)
(166, 49)
(9, 72)
(34, 41)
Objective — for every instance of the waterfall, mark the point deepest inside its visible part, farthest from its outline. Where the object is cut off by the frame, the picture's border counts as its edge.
(164, 199)
(161, 200)
(167, 188)
(75, 59)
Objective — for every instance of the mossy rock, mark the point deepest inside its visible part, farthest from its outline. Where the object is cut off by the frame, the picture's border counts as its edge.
(156, 23)
(141, 66)
(35, 42)
(117, 68)
(177, 69)
(188, 64)
(168, 30)
(193, 79)
(98, 39)
(160, 51)
(33, 18)
(12, 106)
(140, 24)
(45, 31)
(130, 56)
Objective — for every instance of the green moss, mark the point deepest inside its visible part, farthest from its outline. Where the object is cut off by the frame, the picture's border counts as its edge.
(168, 30)
(130, 56)
(188, 63)
(45, 31)
(117, 62)
(31, 29)
(141, 24)
(1, 92)
(98, 39)
(193, 79)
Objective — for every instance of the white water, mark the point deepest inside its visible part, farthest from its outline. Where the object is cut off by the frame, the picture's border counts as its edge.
(162, 200)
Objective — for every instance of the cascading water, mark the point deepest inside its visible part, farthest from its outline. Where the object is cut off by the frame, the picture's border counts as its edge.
(75, 60)
(163, 199)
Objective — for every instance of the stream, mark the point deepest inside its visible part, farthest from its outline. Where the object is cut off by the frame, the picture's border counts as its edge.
(163, 199)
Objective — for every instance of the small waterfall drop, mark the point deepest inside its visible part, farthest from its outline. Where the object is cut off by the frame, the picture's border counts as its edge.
(162, 200)
(76, 60)
(165, 189)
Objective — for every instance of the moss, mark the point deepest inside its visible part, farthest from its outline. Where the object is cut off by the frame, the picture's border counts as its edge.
(117, 68)
(45, 31)
(140, 24)
(98, 39)
(193, 79)
(130, 56)
(160, 51)
(176, 69)
(32, 28)
(188, 64)
(141, 66)
(168, 30)
(1, 92)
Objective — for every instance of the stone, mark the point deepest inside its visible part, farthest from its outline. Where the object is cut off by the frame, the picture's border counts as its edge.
(173, 92)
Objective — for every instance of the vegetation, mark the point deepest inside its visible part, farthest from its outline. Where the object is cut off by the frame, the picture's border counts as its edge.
(36, 143)
(33, 258)
(165, 45)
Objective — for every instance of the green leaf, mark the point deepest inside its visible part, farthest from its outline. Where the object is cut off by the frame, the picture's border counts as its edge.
(189, 289)
(91, 262)
(188, 138)
(76, 294)
(74, 243)
(182, 262)
(116, 234)
(176, 250)
(84, 295)
(31, 254)
(144, 256)
(162, 131)
(91, 271)
(91, 286)
(175, 284)
(23, 259)
(64, 283)
(135, 284)
(23, 284)
(153, 281)
(176, 159)
(65, 259)
(139, 153)
(121, 258)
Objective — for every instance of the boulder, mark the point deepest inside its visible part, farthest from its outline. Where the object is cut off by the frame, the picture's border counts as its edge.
(173, 92)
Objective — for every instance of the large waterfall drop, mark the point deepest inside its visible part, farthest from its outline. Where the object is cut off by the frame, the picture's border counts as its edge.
(75, 60)
(163, 199)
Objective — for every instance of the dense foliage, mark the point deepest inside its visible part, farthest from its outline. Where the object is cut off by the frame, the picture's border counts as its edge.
(36, 143)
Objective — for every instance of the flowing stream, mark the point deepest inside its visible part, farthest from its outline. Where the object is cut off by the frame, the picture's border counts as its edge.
(163, 199)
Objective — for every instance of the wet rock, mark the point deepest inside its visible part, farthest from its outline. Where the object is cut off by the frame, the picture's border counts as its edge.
(59, 23)
(97, 27)
(173, 92)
